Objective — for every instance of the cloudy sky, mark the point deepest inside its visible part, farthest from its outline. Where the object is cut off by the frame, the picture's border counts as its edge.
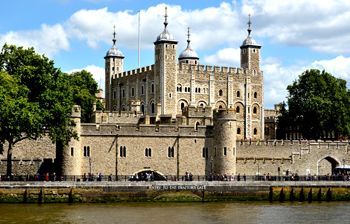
(295, 35)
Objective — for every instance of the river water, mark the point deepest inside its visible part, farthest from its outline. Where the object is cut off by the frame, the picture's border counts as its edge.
(212, 212)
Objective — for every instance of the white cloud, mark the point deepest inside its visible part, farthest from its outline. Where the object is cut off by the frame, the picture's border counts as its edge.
(225, 57)
(277, 77)
(49, 40)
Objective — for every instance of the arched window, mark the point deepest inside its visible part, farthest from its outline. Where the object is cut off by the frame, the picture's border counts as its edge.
(152, 88)
(254, 110)
(142, 90)
(143, 109)
(146, 152)
(123, 109)
(220, 92)
(182, 105)
(220, 107)
(197, 124)
(237, 109)
(255, 131)
(188, 89)
(238, 131)
(238, 94)
(153, 109)
(132, 91)
(255, 94)
(180, 88)
(185, 89)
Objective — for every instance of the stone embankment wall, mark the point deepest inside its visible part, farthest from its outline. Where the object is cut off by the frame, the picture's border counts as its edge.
(53, 192)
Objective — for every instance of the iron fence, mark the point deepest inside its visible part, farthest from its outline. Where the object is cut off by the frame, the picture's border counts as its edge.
(133, 178)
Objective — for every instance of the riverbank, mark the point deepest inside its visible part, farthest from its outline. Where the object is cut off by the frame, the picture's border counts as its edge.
(163, 191)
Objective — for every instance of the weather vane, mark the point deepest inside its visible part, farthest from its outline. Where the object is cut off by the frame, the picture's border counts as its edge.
(166, 17)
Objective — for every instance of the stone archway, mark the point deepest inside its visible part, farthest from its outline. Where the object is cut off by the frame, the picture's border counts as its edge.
(156, 174)
(327, 165)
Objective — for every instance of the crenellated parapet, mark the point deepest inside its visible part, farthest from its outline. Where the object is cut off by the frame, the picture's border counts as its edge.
(217, 69)
(100, 117)
(138, 71)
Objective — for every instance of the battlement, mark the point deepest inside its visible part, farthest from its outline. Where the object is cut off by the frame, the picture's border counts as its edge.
(270, 119)
(312, 144)
(210, 68)
(230, 113)
(99, 117)
(200, 111)
(138, 71)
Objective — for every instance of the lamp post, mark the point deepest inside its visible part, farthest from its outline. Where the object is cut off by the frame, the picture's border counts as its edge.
(90, 167)
(211, 163)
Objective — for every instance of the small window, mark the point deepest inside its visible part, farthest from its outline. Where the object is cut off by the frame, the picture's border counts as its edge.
(88, 151)
(153, 108)
(255, 94)
(199, 90)
(254, 72)
(238, 131)
(248, 95)
(148, 152)
(152, 88)
(72, 151)
(187, 61)
(196, 90)
(180, 88)
(203, 153)
(195, 62)
(248, 109)
(255, 131)
(173, 46)
(189, 89)
(237, 109)
(254, 110)
(114, 95)
(171, 152)
(166, 46)
(112, 68)
(254, 51)
(206, 153)
(169, 95)
(84, 150)
(123, 93)
(142, 92)
(132, 91)
(225, 151)
(244, 51)
(173, 57)
(143, 109)
(238, 94)
(182, 105)
(185, 89)
(215, 152)
(220, 92)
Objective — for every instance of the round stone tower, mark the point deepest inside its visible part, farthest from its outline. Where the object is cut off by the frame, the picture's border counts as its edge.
(71, 154)
(224, 141)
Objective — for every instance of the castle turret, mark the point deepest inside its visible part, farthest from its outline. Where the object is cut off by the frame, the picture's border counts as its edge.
(166, 66)
(224, 141)
(71, 155)
(250, 53)
(189, 56)
(114, 65)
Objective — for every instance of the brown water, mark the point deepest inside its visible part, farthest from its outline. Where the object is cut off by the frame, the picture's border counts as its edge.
(227, 212)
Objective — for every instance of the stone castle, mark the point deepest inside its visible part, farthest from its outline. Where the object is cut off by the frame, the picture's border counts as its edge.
(178, 116)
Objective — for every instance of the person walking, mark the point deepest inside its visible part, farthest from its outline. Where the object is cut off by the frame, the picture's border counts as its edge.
(244, 177)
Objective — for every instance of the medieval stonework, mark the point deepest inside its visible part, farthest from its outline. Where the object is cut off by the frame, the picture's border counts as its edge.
(178, 116)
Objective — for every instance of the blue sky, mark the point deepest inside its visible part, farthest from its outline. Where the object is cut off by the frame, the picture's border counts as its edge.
(295, 35)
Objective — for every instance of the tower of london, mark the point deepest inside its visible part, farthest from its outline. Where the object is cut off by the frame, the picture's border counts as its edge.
(176, 116)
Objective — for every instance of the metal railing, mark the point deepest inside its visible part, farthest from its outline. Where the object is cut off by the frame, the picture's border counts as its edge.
(132, 178)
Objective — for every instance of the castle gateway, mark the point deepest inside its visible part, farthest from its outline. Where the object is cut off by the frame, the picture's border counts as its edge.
(178, 116)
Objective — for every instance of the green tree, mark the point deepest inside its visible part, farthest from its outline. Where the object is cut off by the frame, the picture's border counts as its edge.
(317, 106)
(43, 100)
(84, 89)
